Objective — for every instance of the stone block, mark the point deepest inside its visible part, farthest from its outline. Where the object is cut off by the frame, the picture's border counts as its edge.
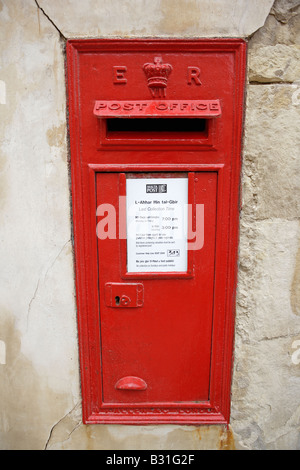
(266, 379)
(271, 161)
(280, 63)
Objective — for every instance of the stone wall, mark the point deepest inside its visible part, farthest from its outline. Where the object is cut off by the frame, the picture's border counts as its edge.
(40, 401)
(265, 400)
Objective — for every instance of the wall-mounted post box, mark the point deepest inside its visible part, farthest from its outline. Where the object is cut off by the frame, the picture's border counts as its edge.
(155, 138)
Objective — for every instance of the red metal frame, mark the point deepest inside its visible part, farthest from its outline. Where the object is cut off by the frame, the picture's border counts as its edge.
(194, 156)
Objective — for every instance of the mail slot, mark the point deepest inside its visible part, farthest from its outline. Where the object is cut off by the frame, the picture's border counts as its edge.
(155, 140)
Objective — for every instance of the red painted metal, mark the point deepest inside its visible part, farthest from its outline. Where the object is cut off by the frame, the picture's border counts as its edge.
(179, 341)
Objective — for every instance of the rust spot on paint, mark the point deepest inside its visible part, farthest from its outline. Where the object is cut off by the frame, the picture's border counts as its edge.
(198, 433)
(227, 440)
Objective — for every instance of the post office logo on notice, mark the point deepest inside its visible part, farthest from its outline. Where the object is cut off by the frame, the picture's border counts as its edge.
(156, 188)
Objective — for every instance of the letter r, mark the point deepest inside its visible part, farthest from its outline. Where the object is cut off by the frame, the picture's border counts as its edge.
(194, 75)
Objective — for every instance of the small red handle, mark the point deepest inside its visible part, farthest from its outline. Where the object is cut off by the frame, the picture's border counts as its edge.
(131, 383)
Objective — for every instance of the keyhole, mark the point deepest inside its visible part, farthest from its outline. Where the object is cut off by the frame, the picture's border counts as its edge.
(117, 299)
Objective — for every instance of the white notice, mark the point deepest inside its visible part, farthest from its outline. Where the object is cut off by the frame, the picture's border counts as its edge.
(157, 224)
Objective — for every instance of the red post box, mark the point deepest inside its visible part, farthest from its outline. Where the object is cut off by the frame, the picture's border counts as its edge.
(155, 139)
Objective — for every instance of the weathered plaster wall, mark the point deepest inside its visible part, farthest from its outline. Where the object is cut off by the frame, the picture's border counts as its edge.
(40, 389)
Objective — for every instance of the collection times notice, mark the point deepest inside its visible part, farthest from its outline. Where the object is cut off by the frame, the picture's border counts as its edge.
(156, 211)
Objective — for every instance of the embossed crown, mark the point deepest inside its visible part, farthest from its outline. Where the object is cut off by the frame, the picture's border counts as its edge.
(157, 75)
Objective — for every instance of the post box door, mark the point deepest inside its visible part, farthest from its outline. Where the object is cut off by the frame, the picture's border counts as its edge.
(156, 326)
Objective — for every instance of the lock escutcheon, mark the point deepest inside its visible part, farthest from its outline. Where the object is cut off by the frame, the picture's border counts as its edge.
(126, 295)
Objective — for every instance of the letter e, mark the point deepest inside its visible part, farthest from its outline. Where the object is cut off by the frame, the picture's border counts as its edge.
(119, 74)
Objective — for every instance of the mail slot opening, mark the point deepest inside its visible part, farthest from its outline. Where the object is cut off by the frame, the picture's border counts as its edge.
(174, 126)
